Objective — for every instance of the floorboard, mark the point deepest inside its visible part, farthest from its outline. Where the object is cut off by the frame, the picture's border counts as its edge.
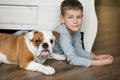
(64, 71)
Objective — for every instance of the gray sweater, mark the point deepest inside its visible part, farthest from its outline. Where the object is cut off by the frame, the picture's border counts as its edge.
(71, 46)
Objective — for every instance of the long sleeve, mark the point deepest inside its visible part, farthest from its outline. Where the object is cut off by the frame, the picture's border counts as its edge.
(72, 57)
(78, 46)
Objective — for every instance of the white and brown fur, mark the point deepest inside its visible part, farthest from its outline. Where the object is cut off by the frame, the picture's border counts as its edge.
(29, 50)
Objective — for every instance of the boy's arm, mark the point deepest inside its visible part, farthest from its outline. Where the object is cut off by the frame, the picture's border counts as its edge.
(72, 57)
(79, 47)
(93, 56)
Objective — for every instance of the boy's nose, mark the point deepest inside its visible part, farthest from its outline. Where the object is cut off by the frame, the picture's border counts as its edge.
(75, 20)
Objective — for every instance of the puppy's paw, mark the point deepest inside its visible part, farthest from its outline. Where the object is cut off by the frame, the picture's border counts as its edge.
(62, 57)
(58, 56)
(48, 70)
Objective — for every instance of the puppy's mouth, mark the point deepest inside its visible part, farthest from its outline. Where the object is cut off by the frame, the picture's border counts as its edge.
(44, 53)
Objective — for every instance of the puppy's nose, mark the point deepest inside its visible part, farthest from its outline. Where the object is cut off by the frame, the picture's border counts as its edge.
(45, 45)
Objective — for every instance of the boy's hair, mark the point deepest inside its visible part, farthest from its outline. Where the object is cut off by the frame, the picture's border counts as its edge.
(70, 5)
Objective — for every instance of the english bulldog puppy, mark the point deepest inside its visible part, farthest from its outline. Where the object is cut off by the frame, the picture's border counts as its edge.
(29, 50)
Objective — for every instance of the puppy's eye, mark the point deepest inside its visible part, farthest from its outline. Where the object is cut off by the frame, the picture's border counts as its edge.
(51, 41)
(37, 41)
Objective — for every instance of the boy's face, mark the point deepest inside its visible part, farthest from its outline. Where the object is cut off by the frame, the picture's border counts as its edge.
(72, 19)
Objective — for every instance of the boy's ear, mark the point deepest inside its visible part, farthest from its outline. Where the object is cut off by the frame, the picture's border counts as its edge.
(56, 34)
(62, 18)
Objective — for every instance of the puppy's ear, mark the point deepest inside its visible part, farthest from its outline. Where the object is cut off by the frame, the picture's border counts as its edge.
(56, 34)
(23, 33)
(30, 35)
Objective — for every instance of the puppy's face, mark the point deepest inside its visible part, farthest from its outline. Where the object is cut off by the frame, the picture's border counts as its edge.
(42, 42)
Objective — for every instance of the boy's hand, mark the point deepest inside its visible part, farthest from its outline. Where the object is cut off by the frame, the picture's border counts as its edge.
(102, 62)
(104, 57)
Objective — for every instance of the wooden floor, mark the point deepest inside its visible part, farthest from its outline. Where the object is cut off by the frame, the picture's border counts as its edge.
(108, 39)
(64, 71)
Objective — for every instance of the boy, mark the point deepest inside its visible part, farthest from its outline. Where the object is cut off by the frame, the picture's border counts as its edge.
(70, 42)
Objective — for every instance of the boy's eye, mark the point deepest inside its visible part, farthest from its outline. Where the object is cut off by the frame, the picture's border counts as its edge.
(79, 17)
(70, 17)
